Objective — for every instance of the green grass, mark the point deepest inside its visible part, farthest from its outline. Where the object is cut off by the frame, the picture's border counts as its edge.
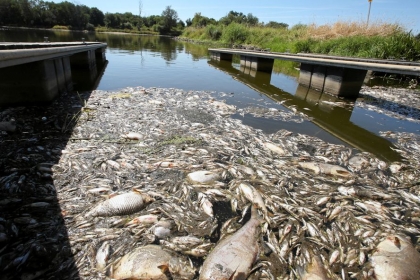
(354, 39)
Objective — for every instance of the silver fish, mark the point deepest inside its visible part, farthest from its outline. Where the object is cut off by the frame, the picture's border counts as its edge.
(396, 258)
(150, 262)
(234, 256)
(123, 204)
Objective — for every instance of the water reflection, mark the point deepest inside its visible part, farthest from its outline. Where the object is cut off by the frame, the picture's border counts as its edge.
(329, 113)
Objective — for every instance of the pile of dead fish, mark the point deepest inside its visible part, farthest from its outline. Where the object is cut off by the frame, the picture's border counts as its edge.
(398, 103)
(162, 184)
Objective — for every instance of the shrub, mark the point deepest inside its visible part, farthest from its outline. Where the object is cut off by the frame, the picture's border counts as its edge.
(213, 31)
(235, 33)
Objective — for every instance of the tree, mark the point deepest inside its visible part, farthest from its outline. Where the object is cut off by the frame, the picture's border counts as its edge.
(112, 20)
(251, 19)
(96, 17)
(169, 19)
(275, 24)
(201, 21)
(188, 22)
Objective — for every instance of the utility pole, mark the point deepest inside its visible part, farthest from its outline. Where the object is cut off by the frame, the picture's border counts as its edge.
(370, 4)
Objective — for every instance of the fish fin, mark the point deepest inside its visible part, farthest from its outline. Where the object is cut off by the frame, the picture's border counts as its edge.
(164, 268)
(136, 190)
(111, 195)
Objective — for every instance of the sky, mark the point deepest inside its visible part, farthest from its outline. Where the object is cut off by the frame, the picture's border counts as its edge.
(404, 12)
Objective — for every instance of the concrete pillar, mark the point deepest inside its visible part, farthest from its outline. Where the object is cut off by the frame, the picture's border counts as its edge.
(100, 56)
(318, 77)
(352, 82)
(313, 97)
(221, 56)
(339, 81)
(59, 73)
(86, 71)
(83, 60)
(301, 92)
(246, 61)
(67, 73)
(40, 83)
(264, 64)
(305, 75)
(257, 63)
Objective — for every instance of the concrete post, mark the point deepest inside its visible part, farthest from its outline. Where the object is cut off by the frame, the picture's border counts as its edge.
(221, 56)
(40, 83)
(305, 75)
(339, 81)
(67, 73)
(352, 82)
(318, 77)
(257, 63)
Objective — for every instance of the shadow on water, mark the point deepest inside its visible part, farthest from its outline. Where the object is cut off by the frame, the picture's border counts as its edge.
(322, 108)
(34, 240)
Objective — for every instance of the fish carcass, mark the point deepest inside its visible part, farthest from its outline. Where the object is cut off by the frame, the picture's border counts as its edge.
(396, 258)
(152, 262)
(234, 256)
(123, 204)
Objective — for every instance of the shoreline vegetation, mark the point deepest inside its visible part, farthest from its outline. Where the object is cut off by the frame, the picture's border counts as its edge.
(381, 40)
(378, 39)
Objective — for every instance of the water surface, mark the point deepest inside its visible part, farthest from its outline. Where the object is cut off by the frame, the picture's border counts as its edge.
(153, 61)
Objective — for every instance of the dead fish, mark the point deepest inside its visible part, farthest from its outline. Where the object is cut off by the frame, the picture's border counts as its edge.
(203, 177)
(123, 204)
(314, 270)
(325, 168)
(149, 219)
(234, 256)
(274, 148)
(151, 262)
(254, 196)
(102, 256)
(396, 258)
(133, 136)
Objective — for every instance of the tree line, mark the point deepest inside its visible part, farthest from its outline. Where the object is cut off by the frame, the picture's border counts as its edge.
(44, 14)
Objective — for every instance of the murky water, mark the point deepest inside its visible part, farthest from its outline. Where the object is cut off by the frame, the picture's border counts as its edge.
(153, 61)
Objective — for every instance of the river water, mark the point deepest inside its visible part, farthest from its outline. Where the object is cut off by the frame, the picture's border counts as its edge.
(153, 61)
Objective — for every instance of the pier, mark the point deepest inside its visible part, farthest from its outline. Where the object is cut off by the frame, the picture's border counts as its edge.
(38, 72)
(333, 119)
(336, 75)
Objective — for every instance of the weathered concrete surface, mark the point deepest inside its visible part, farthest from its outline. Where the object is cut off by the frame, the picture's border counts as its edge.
(336, 75)
(379, 65)
(38, 72)
(11, 55)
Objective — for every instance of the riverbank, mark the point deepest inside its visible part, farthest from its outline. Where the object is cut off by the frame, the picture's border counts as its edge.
(66, 158)
(354, 39)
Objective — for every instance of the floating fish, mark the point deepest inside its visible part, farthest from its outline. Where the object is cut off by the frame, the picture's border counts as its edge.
(234, 256)
(123, 204)
(325, 168)
(274, 148)
(203, 177)
(396, 258)
(151, 262)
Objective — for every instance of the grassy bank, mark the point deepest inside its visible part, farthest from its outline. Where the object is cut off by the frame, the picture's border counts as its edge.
(378, 40)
